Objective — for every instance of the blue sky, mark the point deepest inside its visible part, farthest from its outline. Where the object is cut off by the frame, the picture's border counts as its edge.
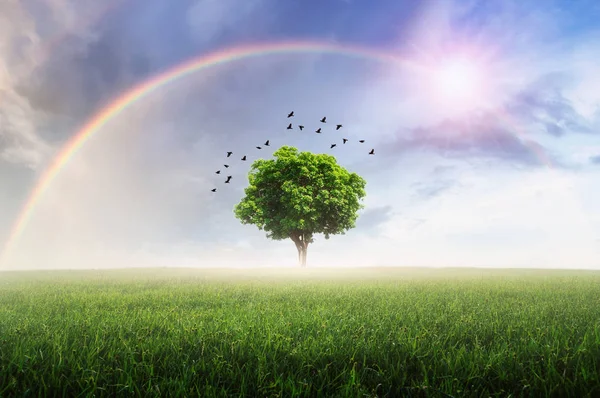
(487, 155)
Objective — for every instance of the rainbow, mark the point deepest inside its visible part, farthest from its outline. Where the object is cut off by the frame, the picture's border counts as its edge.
(187, 68)
(147, 87)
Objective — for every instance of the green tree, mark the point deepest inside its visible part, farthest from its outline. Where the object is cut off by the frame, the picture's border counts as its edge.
(300, 194)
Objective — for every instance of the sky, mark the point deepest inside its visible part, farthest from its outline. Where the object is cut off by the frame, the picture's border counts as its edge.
(487, 148)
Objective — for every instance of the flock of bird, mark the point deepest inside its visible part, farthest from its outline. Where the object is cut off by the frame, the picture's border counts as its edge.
(290, 127)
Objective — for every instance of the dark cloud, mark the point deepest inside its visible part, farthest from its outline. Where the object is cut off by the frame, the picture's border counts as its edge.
(75, 83)
(595, 159)
(76, 71)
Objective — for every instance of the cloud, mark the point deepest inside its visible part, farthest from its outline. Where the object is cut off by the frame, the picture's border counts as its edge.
(477, 136)
(19, 139)
(539, 83)
(431, 189)
(62, 61)
(440, 180)
(212, 21)
(543, 103)
(595, 159)
(511, 132)
(370, 220)
(31, 34)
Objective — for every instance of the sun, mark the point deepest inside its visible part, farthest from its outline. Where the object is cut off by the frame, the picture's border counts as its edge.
(458, 82)
(457, 79)
(455, 82)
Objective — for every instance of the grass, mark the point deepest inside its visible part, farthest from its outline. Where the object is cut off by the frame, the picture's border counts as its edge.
(360, 333)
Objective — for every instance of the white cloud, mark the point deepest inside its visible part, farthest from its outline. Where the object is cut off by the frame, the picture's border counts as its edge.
(505, 219)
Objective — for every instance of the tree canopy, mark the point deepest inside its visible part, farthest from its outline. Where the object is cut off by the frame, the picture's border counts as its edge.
(299, 194)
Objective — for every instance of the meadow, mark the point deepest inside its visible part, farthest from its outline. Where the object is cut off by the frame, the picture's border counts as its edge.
(300, 332)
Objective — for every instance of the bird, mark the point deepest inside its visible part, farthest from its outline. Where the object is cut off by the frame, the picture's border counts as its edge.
(318, 130)
(244, 158)
(332, 145)
(218, 172)
(339, 126)
(372, 152)
(226, 165)
(345, 140)
(289, 127)
(362, 141)
(214, 190)
(291, 114)
(228, 179)
(300, 127)
(229, 154)
(267, 143)
(323, 120)
(258, 147)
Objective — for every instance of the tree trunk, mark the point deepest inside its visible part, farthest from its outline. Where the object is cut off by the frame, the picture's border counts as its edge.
(302, 255)
(302, 247)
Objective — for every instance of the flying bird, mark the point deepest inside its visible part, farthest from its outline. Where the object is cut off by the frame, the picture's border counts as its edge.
(318, 130)
(229, 154)
(267, 143)
(244, 158)
(339, 126)
(300, 127)
(291, 114)
(372, 152)
(323, 120)
(289, 127)
(345, 140)
(362, 141)
(258, 147)
(218, 172)
(226, 165)
(214, 190)
(228, 179)
(332, 146)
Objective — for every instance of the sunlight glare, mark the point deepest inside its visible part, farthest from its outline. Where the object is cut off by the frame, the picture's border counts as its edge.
(457, 80)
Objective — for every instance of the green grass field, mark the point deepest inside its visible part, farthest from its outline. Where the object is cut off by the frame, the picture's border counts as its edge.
(371, 332)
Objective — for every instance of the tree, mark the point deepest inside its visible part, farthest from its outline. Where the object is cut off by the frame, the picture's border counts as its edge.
(300, 194)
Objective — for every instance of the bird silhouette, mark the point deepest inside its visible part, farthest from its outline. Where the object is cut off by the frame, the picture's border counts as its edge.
(228, 179)
(214, 190)
(318, 130)
(267, 143)
(345, 140)
(339, 126)
(226, 165)
(258, 147)
(218, 172)
(323, 120)
(289, 127)
(372, 152)
(362, 141)
(332, 146)
(229, 154)
(300, 127)
(244, 158)
(291, 114)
